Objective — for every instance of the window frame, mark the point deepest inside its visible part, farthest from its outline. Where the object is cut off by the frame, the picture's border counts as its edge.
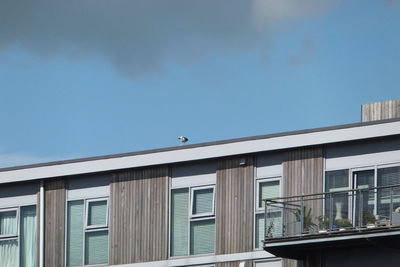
(17, 222)
(205, 214)
(87, 203)
(87, 229)
(191, 218)
(261, 210)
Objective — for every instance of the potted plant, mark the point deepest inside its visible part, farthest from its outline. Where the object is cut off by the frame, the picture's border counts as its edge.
(308, 225)
(369, 219)
(343, 223)
(323, 223)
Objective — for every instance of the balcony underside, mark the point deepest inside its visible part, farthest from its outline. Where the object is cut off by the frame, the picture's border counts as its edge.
(298, 247)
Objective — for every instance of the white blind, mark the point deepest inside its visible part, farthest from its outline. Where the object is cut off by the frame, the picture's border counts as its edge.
(28, 237)
(8, 222)
(179, 222)
(268, 189)
(202, 237)
(96, 247)
(9, 253)
(75, 227)
(97, 213)
(203, 201)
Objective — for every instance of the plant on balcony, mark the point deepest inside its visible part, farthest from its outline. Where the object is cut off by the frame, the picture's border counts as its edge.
(270, 230)
(343, 223)
(308, 225)
(368, 218)
(323, 222)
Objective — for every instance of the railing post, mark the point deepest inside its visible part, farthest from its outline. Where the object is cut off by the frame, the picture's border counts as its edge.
(265, 220)
(391, 205)
(302, 214)
(330, 212)
(361, 207)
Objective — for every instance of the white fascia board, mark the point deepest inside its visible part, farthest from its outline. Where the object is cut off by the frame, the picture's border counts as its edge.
(204, 152)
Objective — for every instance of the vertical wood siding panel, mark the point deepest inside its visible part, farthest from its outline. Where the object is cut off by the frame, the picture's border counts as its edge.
(234, 196)
(138, 229)
(54, 222)
(381, 110)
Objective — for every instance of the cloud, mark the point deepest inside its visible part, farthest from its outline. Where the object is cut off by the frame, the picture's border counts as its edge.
(18, 159)
(142, 36)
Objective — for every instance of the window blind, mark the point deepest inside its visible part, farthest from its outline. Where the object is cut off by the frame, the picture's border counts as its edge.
(268, 189)
(28, 237)
(202, 236)
(203, 201)
(97, 213)
(179, 222)
(75, 227)
(8, 223)
(9, 253)
(96, 249)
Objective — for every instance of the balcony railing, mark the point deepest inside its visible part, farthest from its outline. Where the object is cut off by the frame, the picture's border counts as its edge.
(332, 212)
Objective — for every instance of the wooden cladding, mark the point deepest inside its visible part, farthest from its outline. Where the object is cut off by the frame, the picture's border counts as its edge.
(381, 110)
(54, 222)
(234, 206)
(302, 175)
(139, 210)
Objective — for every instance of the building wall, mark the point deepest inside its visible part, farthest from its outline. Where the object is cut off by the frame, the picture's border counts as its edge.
(380, 110)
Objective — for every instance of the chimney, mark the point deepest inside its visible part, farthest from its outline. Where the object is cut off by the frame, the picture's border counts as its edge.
(380, 111)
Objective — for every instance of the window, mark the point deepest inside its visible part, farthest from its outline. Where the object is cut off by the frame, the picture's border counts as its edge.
(368, 202)
(87, 232)
(192, 221)
(18, 236)
(267, 188)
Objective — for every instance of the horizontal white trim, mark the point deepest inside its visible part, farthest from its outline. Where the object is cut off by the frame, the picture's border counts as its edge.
(204, 152)
(330, 239)
(200, 260)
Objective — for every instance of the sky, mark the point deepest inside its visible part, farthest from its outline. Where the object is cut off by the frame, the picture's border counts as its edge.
(97, 77)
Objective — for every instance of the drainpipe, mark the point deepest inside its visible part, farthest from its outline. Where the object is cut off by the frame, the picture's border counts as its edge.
(41, 225)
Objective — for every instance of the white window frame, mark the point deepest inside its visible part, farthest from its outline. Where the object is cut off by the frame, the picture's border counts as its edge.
(16, 235)
(261, 210)
(192, 192)
(191, 218)
(88, 229)
(92, 227)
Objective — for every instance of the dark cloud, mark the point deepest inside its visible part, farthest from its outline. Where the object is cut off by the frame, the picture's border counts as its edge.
(140, 36)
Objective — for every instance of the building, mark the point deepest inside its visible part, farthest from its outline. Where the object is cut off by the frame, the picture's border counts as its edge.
(203, 204)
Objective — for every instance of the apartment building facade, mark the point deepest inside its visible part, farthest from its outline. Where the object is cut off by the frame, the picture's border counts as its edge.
(193, 205)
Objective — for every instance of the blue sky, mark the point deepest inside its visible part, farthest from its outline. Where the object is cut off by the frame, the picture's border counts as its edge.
(82, 79)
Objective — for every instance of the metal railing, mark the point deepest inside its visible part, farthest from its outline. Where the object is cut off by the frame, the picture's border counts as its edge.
(356, 209)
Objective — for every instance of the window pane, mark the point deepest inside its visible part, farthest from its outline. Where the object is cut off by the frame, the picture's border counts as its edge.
(28, 236)
(179, 222)
(203, 201)
(8, 222)
(268, 190)
(274, 227)
(337, 181)
(75, 233)
(202, 237)
(97, 213)
(364, 199)
(9, 253)
(96, 247)
(389, 176)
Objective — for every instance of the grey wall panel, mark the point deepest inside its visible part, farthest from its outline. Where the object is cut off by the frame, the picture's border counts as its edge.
(21, 194)
(139, 209)
(54, 222)
(362, 154)
(380, 110)
(269, 165)
(89, 186)
(234, 206)
(192, 174)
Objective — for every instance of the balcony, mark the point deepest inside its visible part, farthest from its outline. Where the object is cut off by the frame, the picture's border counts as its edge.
(297, 225)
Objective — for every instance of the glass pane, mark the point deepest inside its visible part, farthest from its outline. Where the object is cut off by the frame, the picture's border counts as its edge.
(96, 247)
(8, 222)
(274, 227)
(179, 222)
(28, 236)
(268, 190)
(203, 201)
(339, 202)
(9, 253)
(97, 213)
(75, 226)
(365, 199)
(202, 237)
(389, 176)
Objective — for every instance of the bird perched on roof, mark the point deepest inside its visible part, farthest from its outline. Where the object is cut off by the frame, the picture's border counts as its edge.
(183, 139)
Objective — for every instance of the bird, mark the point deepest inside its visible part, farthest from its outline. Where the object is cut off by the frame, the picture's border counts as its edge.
(183, 139)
